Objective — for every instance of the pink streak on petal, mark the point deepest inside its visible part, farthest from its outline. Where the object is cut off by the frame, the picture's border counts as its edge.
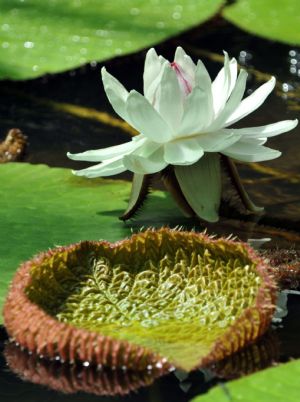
(184, 84)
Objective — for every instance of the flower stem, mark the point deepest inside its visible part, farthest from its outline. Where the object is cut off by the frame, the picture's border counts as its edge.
(236, 181)
(171, 183)
(139, 192)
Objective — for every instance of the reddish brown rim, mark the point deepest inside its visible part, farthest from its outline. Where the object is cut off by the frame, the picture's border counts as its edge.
(37, 331)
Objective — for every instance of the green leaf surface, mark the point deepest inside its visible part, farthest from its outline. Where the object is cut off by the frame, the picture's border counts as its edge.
(272, 19)
(42, 207)
(49, 36)
(276, 384)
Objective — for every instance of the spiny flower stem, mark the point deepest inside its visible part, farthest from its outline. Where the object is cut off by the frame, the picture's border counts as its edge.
(171, 183)
(139, 191)
(236, 181)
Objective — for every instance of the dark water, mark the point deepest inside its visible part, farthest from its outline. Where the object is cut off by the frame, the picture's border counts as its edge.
(36, 107)
(281, 344)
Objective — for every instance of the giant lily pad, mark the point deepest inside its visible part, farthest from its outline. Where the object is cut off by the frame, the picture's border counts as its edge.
(160, 298)
(275, 384)
(271, 19)
(48, 36)
(42, 207)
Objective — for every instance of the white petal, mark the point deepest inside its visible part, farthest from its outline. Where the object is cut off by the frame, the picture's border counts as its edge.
(182, 152)
(269, 130)
(98, 155)
(146, 119)
(233, 74)
(202, 78)
(153, 90)
(222, 85)
(108, 168)
(252, 102)
(233, 101)
(217, 141)
(147, 149)
(250, 153)
(186, 63)
(170, 105)
(162, 60)
(145, 165)
(198, 112)
(151, 71)
(115, 92)
(255, 141)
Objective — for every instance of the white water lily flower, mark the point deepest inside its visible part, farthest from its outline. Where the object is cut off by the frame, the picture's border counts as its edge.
(182, 115)
(184, 120)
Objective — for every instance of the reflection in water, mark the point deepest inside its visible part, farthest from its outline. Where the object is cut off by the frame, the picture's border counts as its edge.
(70, 379)
(257, 356)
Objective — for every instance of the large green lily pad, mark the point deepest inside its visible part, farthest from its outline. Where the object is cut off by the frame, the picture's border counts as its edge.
(272, 19)
(49, 36)
(42, 207)
(275, 384)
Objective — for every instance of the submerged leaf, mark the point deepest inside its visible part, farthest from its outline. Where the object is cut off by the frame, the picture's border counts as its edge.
(160, 298)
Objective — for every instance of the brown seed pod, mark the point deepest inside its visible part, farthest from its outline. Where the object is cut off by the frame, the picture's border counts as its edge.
(286, 263)
(13, 147)
(161, 298)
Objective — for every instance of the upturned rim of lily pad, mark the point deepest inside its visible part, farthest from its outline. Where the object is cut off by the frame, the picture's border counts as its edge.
(37, 331)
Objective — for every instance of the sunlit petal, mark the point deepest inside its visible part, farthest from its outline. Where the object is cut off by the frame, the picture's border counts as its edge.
(170, 105)
(198, 112)
(252, 102)
(222, 85)
(202, 78)
(246, 152)
(98, 155)
(152, 68)
(217, 141)
(146, 119)
(116, 93)
(184, 152)
(145, 165)
(233, 101)
(269, 130)
(255, 140)
(108, 168)
(186, 63)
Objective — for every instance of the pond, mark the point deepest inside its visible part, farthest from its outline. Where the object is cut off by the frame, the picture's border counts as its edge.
(69, 112)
